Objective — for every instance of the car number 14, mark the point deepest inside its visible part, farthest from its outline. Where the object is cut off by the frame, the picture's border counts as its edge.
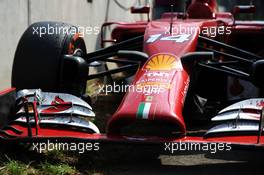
(177, 38)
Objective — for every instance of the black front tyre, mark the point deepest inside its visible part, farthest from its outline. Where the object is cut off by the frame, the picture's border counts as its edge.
(39, 58)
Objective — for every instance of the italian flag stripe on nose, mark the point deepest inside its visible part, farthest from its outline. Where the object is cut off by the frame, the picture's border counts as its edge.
(143, 110)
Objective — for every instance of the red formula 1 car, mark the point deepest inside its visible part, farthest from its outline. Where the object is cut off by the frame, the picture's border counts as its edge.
(197, 78)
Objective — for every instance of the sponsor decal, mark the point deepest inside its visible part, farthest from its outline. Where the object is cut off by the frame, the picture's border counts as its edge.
(159, 72)
(149, 98)
(154, 85)
(163, 62)
(143, 110)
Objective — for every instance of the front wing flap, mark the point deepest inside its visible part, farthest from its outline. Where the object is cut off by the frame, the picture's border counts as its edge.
(34, 126)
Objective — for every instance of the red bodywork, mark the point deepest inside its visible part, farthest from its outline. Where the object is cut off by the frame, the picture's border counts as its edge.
(163, 68)
(166, 106)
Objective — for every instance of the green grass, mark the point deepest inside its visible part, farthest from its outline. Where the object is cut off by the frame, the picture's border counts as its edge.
(60, 169)
(20, 160)
(14, 167)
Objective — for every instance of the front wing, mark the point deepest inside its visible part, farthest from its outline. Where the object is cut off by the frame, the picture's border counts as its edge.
(64, 125)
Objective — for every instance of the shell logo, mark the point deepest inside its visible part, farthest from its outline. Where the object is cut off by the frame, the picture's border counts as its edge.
(163, 62)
